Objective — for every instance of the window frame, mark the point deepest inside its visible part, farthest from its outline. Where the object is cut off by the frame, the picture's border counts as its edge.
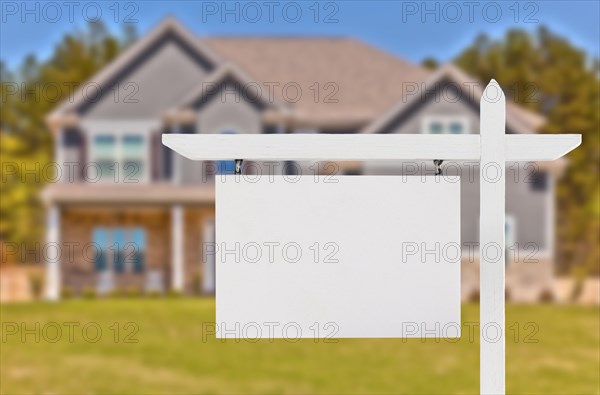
(119, 130)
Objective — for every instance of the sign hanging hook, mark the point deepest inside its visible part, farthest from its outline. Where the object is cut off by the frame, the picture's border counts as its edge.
(438, 166)
(238, 166)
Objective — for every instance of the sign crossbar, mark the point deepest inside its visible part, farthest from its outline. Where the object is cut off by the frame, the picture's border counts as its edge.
(351, 147)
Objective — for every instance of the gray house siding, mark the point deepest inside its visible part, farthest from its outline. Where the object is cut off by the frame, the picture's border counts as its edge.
(227, 110)
(160, 80)
(528, 207)
(525, 205)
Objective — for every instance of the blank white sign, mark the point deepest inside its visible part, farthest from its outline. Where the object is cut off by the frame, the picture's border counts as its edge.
(342, 257)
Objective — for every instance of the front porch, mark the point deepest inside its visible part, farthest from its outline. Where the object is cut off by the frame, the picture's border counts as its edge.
(118, 241)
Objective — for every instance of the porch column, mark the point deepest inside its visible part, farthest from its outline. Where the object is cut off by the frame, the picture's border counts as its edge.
(177, 248)
(53, 265)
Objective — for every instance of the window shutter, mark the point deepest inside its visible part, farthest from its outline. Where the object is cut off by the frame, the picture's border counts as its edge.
(167, 159)
(155, 155)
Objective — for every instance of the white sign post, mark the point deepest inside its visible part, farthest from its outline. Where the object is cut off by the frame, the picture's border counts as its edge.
(492, 148)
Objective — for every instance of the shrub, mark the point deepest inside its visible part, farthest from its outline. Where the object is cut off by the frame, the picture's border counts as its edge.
(197, 283)
(154, 293)
(66, 293)
(113, 293)
(133, 291)
(36, 283)
(546, 296)
(89, 293)
(474, 297)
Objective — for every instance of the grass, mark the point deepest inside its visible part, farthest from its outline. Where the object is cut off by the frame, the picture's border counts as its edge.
(559, 353)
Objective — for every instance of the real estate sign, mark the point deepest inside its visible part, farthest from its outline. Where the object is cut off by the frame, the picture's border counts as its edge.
(344, 257)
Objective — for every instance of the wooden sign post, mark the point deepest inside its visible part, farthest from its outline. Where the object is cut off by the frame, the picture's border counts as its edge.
(492, 148)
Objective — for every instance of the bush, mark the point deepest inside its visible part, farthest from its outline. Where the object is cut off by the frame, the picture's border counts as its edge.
(66, 293)
(114, 293)
(474, 297)
(36, 283)
(546, 296)
(197, 283)
(133, 291)
(154, 294)
(89, 293)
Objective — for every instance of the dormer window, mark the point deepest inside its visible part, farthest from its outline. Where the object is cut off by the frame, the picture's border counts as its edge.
(456, 127)
(445, 124)
(436, 127)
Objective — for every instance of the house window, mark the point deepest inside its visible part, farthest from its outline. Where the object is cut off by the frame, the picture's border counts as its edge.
(120, 158)
(138, 240)
(436, 127)
(100, 241)
(133, 154)
(104, 156)
(456, 127)
(445, 125)
(120, 250)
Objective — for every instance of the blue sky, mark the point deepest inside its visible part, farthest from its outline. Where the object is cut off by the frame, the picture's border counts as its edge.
(410, 29)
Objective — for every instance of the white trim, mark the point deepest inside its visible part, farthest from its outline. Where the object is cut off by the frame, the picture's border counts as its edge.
(177, 245)
(550, 214)
(53, 278)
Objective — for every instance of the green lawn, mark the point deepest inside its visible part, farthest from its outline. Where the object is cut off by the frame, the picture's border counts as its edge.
(171, 356)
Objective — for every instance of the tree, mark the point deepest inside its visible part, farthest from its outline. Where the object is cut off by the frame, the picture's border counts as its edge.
(26, 145)
(547, 74)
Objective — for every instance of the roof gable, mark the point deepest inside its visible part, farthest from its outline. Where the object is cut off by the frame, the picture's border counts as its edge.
(169, 31)
(518, 120)
(228, 75)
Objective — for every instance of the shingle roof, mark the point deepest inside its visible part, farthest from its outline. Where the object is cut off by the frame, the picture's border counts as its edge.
(368, 81)
(357, 83)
